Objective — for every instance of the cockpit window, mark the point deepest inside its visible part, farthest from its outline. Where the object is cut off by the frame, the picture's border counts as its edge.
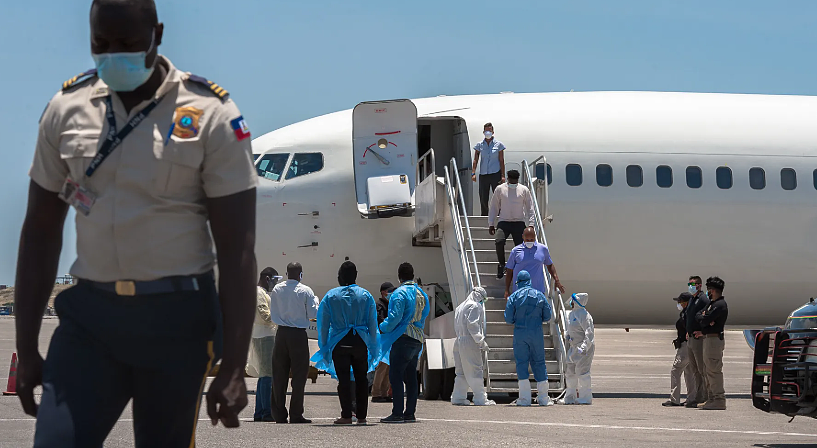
(305, 163)
(801, 323)
(271, 166)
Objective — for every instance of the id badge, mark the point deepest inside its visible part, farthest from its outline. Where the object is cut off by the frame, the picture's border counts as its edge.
(77, 196)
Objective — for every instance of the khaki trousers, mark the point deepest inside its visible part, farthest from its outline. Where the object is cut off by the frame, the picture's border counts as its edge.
(713, 360)
(682, 366)
(380, 386)
(696, 362)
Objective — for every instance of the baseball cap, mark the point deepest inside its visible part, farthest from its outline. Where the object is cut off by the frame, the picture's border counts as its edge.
(684, 297)
(386, 286)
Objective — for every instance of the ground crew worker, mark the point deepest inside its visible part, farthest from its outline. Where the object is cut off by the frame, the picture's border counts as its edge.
(489, 156)
(469, 325)
(695, 345)
(401, 341)
(581, 348)
(263, 341)
(292, 305)
(347, 337)
(528, 309)
(147, 155)
(712, 320)
(681, 364)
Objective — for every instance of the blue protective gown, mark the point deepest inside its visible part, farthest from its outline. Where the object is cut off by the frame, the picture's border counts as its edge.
(402, 306)
(345, 309)
(528, 309)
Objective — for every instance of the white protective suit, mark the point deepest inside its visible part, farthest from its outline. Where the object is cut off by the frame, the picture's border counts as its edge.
(581, 346)
(469, 324)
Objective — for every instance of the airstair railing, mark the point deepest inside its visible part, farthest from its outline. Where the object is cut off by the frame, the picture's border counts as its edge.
(455, 170)
(458, 232)
(555, 296)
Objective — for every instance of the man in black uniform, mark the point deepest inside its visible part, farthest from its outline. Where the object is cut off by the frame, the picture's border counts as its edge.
(695, 345)
(712, 321)
(681, 364)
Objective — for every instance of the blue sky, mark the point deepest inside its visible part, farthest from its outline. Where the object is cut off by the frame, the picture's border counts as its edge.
(286, 61)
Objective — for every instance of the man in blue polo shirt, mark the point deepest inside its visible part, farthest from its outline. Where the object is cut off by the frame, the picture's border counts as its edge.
(490, 158)
(533, 257)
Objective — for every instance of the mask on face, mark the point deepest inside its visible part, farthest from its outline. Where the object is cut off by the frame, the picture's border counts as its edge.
(512, 186)
(680, 307)
(529, 244)
(488, 134)
(693, 289)
(124, 72)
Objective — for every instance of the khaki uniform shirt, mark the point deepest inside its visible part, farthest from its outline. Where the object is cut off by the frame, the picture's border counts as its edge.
(149, 220)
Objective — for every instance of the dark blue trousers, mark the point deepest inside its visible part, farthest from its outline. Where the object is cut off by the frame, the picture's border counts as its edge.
(108, 350)
(403, 358)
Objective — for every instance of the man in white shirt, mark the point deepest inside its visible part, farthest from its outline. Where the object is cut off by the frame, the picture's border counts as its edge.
(292, 305)
(263, 341)
(512, 206)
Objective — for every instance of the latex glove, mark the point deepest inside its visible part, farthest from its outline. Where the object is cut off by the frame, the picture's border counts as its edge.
(484, 346)
(581, 350)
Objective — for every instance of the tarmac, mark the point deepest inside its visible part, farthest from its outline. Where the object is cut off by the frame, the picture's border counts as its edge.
(630, 381)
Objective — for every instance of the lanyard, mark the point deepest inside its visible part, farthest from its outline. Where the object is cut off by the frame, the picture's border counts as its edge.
(114, 138)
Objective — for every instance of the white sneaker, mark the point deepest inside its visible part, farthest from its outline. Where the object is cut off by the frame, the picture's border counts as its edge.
(487, 403)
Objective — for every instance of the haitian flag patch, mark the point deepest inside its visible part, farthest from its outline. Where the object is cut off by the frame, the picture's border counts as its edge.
(240, 128)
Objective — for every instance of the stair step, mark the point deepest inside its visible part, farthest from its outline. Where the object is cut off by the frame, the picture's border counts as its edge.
(506, 354)
(503, 329)
(503, 366)
(506, 341)
(513, 385)
(486, 242)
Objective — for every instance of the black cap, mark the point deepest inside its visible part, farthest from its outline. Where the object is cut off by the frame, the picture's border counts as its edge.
(684, 297)
(386, 286)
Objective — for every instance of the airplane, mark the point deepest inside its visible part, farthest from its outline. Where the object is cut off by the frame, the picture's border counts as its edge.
(645, 189)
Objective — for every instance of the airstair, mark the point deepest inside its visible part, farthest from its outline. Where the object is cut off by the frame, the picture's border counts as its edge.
(469, 253)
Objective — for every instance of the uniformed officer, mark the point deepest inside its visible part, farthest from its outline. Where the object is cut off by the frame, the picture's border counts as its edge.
(147, 154)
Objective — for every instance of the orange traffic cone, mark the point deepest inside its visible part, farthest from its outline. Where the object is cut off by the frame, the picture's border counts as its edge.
(11, 389)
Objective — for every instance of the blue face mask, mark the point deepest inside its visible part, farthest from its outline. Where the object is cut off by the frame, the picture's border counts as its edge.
(124, 72)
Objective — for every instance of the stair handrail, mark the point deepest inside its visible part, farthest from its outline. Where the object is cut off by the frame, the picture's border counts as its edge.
(455, 169)
(553, 293)
(452, 204)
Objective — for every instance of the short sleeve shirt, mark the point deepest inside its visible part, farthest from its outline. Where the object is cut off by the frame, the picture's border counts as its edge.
(488, 156)
(150, 218)
(532, 260)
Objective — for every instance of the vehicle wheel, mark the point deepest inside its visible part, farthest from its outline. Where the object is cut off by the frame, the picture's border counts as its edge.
(432, 383)
(448, 384)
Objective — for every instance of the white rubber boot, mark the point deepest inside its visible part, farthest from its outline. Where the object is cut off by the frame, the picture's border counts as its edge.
(459, 397)
(542, 396)
(524, 393)
(480, 397)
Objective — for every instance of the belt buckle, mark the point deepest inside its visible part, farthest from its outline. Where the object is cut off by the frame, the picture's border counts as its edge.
(125, 288)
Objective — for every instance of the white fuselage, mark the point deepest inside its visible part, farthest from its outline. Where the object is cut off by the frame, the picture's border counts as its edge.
(631, 248)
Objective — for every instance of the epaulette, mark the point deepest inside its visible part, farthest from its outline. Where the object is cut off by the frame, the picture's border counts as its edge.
(219, 91)
(79, 78)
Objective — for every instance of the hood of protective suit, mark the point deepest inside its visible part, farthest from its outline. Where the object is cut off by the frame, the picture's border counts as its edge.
(580, 298)
(478, 294)
(522, 279)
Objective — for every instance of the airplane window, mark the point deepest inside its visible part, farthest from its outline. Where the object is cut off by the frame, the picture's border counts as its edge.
(695, 177)
(573, 174)
(255, 157)
(815, 179)
(604, 175)
(540, 172)
(663, 175)
(757, 178)
(271, 166)
(305, 163)
(635, 176)
(788, 179)
(723, 175)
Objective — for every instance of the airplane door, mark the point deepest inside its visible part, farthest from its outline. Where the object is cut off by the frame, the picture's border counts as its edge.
(462, 153)
(384, 141)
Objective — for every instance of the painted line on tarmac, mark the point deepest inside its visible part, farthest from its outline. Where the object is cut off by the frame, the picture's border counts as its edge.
(631, 428)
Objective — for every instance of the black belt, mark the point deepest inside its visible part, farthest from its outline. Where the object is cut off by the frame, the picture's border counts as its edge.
(160, 286)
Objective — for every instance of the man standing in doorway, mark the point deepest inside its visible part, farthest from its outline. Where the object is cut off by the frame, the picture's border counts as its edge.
(490, 159)
(695, 345)
(292, 305)
(512, 206)
(533, 257)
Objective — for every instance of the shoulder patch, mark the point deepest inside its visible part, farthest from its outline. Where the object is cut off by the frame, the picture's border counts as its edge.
(219, 91)
(76, 80)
